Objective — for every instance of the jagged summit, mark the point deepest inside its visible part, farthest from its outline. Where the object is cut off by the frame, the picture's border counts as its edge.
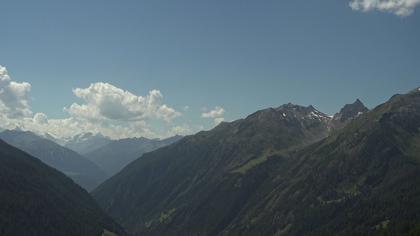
(293, 106)
(302, 112)
(348, 112)
(290, 106)
(291, 114)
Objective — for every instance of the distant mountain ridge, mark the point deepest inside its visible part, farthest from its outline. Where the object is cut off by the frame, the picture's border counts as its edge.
(116, 154)
(38, 200)
(86, 142)
(280, 171)
(79, 168)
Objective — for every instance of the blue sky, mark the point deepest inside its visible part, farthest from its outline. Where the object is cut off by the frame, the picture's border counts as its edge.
(240, 55)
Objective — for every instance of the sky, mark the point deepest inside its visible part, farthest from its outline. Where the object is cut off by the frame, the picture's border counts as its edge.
(158, 68)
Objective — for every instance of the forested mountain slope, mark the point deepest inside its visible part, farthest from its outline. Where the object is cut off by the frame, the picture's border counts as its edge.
(38, 200)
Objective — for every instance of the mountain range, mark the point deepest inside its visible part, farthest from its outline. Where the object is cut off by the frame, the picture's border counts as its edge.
(38, 200)
(80, 169)
(86, 142)
(116, 154)
(193, 177)
(290, 170)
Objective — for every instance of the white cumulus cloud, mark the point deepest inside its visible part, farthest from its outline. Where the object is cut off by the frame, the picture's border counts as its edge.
(14, 99)
(105, 101)
(103, 108)
(397, 7)
(216, 114)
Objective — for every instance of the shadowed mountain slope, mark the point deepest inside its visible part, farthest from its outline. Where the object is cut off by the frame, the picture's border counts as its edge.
(77, 167)
(264, 175)
(38, 200)
(362, 180)
(180, 180)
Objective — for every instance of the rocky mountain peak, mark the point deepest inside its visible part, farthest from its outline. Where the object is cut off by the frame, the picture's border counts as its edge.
(302, 112)
(350, 111)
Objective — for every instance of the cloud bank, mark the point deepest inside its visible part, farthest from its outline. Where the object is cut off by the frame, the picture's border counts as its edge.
(397, 7)
(103, 108)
